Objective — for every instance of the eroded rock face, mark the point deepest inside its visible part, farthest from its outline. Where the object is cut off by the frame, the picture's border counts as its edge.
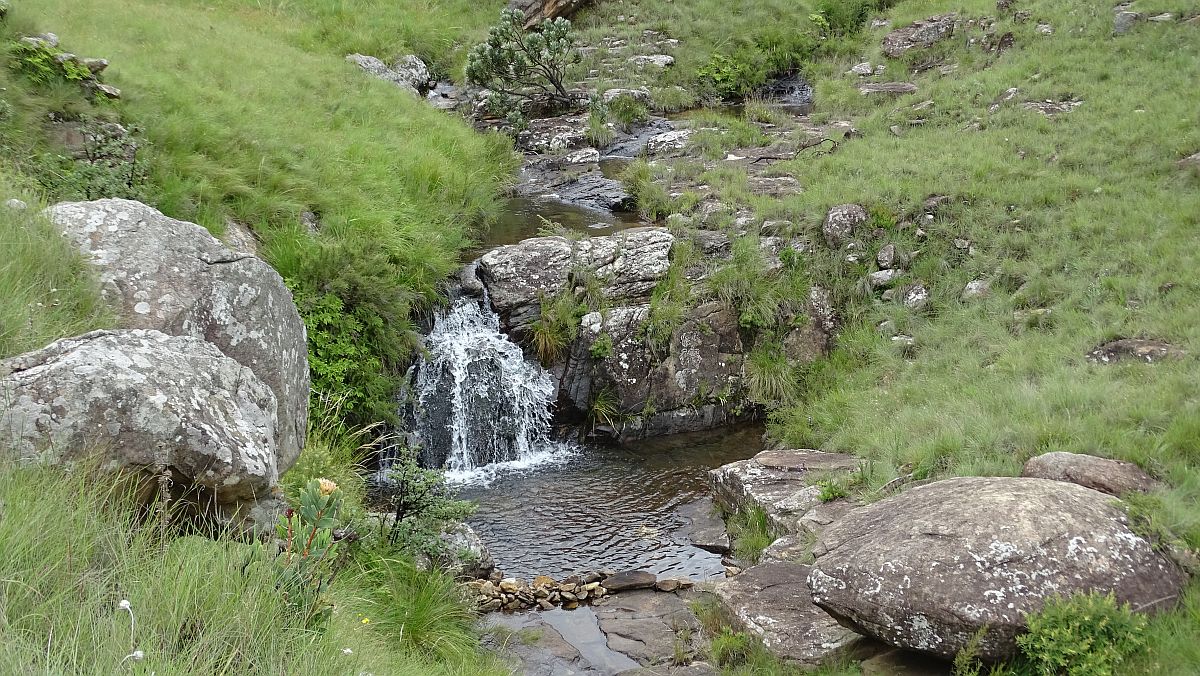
(927, 569)
(919, 35)
(144, 399)
(536, 11)
(772, 601)
(174, 277)
(628, 264)
(1114, 477)
(779, 482)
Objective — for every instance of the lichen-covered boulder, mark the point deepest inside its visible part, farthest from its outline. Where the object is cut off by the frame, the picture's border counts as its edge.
(841, 222)
(1114, 477)
(145, 400)
(930, 568)
(627, 265)
(175, 277)
(408, 72)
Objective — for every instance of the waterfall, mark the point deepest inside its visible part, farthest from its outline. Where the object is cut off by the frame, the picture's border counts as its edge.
(479, 405)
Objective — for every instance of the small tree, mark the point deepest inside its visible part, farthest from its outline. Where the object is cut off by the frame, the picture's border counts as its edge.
(422, 503)
(523, 67)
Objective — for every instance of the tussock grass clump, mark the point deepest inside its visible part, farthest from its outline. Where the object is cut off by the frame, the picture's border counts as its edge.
(751, 533)
(89, 587)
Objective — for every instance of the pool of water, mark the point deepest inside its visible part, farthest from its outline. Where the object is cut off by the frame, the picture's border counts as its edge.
(519, 220)
(619, 508)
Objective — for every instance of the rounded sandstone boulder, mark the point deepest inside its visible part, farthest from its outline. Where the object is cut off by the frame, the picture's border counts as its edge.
(927, 569)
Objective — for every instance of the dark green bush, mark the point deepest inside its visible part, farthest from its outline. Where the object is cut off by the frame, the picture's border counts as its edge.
(1084, 635)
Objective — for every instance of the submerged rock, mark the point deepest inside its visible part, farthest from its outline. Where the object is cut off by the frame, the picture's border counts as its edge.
(144, 400)
(175, 277)
(1114, 477)
(929, 569)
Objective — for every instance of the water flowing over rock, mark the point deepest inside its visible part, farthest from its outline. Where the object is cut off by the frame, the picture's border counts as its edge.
(144, 400)
(928, 569)
(175, 277)
(479, 401)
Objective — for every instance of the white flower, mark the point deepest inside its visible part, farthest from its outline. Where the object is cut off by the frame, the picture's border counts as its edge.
(347, 651)
(124, 604)
(138, 656)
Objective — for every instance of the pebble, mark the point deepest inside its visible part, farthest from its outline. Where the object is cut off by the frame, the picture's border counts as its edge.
(16, 205)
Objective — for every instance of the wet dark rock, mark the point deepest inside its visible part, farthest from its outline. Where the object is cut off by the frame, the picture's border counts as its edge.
(793, 94)
(630, 579)
(930, 568)
(1114, 477)
(1138, 349)
(772, 601)
(919, 35)
(705, 528)
(587, 187)
(779, 483)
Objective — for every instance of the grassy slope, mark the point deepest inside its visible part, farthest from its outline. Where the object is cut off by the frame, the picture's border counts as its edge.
(1086, 214)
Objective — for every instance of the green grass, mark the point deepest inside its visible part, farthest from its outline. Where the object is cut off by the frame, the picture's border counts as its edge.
(49, 291)
(72, 547)
(751, 533)
(253, 114)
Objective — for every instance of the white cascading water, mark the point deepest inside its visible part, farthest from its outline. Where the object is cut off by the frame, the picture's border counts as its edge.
(480, 406)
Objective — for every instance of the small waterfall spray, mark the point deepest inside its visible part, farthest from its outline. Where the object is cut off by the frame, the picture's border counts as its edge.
(480, 406)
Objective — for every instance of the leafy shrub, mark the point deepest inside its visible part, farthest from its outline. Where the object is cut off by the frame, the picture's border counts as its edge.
(1084, 635)
(519, 66)
(111, 164)
(421, 503)
(732, 77)
(602, 347)
(831, 490)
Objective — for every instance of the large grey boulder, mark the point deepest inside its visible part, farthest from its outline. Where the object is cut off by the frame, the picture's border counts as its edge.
(627, 265)
(172, 276)
(919, 34)
(772, 601)
(782, 483)
(144, 400)
(928, 569)
(1114, 477)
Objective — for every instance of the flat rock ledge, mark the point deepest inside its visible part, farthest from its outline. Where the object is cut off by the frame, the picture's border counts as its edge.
(1114, 477)
(781, 483)
(545, 593)
(772, 601)
(928, 569)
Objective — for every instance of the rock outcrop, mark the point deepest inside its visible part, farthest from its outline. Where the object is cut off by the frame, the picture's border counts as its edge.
(919, 35)
(928, 569)
(174, 277)
(536, 11)
(145, 400)
(782, 483)
(408, 72)
(1137, 349)
(1114, 477)
(627, 265)
(772, 601)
